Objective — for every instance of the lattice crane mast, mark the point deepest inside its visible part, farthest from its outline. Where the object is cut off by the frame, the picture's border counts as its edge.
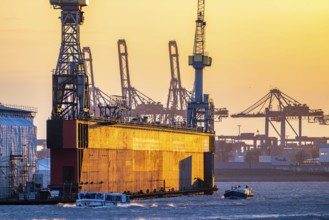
(70, 81)
(200, 111)
(101, 104)
(276, 106)
(178, 97)
(139, 103)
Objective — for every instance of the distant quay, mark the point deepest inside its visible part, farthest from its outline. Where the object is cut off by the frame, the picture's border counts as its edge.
(268, 175)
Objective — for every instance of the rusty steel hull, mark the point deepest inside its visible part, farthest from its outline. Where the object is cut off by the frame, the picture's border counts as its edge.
(117, 157)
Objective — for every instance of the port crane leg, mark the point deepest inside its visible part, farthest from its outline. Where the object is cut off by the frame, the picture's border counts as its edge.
(283, 128)
(300, 130)
(267, 122)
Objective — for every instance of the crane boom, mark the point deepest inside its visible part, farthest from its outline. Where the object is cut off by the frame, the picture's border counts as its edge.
(88, 62)
(139, 103)
(124, 71)
(101, 104)
(133, 96)
(199, 41)
(178, 96)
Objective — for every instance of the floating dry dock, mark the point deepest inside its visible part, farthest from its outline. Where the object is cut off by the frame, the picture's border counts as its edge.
(110, 156)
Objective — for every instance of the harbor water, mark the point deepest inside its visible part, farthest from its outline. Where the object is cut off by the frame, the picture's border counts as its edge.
(272, 200)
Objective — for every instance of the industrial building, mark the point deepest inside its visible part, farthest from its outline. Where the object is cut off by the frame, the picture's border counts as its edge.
(43, 162)
(324, 154)
(18, 137)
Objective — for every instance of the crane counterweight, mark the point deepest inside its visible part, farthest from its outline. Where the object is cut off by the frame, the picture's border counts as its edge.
(80, 3)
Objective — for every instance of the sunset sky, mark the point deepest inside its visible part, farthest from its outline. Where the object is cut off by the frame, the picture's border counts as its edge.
(256, 45)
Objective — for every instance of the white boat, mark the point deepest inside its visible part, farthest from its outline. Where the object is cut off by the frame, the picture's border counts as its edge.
(96, 199)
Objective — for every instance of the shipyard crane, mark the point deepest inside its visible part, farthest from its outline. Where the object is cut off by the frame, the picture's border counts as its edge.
(70, 81)
(276, 106)
(200, 112)
(178, 97)
(101, 104)
(139, 103)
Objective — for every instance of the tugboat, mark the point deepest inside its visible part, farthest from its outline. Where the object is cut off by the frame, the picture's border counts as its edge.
(96, 199)
(236, 192)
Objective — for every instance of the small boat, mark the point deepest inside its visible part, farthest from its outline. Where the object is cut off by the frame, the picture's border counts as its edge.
(96, 199)
(239, 193)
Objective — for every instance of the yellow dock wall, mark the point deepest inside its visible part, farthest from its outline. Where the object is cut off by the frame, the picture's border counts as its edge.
(132, 158)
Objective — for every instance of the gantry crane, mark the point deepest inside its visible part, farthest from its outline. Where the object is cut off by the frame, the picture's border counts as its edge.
(178, 97)
(220, 113)
(140, 104)
(276, 106)
(200, 112)
(70, 81)
(101, 104)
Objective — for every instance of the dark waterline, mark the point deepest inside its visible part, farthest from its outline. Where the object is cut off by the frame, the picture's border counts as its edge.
(273, 200)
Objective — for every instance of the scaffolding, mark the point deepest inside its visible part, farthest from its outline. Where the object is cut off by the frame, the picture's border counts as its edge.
(17, 149)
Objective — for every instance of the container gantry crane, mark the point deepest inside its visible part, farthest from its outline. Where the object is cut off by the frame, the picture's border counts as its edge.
(70, 81)
(200, 112)
(140, 104)
(287, 108)
(101, 104)
(178, 97)
(220, 113)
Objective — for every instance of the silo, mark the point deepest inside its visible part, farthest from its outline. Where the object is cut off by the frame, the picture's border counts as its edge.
(18, 137)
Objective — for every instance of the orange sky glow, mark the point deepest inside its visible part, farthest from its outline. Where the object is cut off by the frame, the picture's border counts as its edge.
(256, 45)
